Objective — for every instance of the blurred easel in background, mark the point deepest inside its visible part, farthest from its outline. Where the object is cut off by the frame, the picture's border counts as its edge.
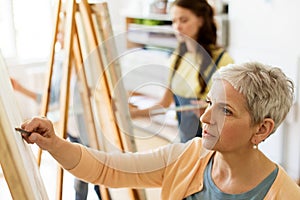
(79, 21)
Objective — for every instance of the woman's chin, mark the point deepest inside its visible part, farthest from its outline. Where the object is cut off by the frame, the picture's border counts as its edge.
(209, 143)
(179, 38)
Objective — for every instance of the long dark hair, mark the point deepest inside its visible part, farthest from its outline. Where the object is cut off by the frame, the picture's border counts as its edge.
(207, 35)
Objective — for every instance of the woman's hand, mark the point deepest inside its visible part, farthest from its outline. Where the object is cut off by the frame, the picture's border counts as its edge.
(16, 85)
(202, 104)
(42, 133)
(133, 110)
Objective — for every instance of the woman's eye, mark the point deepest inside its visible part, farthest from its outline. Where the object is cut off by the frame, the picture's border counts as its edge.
(227, 111)
(183, 20)
(208, 102)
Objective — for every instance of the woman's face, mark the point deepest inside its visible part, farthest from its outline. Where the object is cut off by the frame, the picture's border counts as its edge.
(185, 23)
(226, 121)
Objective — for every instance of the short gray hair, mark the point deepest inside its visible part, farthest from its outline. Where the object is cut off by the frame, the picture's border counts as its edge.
(268, 91)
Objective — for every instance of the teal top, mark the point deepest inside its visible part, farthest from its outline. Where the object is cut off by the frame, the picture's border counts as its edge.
(211, 191)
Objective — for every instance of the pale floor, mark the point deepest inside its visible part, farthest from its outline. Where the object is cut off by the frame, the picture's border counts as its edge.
(48, 168)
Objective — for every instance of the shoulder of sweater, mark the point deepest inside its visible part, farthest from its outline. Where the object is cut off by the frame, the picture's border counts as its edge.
(285, 183)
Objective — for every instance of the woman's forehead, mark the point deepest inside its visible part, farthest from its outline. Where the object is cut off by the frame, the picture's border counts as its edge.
(222, 90)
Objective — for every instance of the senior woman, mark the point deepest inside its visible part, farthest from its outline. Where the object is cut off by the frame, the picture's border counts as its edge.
(246, 104)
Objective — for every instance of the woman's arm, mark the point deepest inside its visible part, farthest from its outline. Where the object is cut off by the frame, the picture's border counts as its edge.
(165, 101)
(18, 87)
(115, 169)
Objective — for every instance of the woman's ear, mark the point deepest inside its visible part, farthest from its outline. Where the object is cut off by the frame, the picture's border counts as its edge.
(200, 21)
(264, 130)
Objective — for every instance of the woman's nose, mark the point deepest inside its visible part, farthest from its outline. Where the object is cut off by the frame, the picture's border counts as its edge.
(176, 26)
(206, 117)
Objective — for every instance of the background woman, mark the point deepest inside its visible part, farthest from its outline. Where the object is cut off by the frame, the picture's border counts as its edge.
(192, 63)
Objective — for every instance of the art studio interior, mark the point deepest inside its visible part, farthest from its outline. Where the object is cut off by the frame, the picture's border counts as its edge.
(115, 56)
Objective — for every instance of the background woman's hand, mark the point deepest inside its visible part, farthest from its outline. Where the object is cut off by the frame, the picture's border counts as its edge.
(133, 110)
(16, 85)
(201, 104)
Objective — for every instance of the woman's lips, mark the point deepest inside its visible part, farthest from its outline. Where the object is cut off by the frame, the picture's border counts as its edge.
(207, 134)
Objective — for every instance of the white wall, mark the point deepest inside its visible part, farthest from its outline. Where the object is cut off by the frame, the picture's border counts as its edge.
(268, 31)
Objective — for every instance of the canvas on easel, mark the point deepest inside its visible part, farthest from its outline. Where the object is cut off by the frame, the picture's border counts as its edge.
(112, 71)
(17, 160)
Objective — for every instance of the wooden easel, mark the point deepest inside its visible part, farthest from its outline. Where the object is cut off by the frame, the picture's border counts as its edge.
(113, 72)
(73, 53)
(107, 107)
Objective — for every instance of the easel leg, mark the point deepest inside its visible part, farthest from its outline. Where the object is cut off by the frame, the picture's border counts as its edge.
(46, 95)
(60, 174)
(65, 83)
(91, 129)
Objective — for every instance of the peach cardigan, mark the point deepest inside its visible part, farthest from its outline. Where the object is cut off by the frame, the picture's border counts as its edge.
(177, 168)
